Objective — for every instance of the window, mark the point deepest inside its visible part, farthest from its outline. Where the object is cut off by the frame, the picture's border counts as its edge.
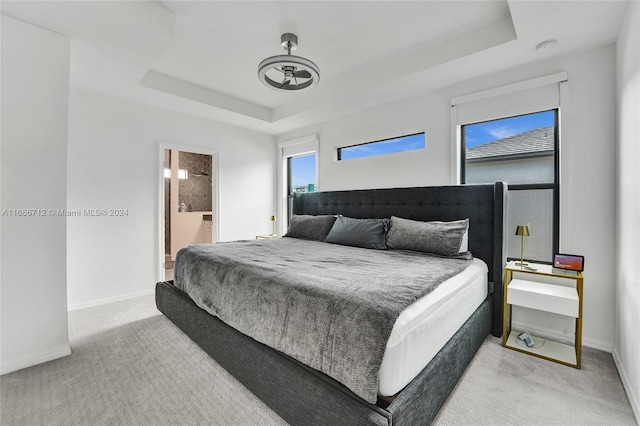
(182, 173)
(386, 146)
(301, 176)
(522, 151)
(297, 163)
(302, 173)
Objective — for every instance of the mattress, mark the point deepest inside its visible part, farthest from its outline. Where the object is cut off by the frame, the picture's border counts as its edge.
(329, 306)
(424, 327)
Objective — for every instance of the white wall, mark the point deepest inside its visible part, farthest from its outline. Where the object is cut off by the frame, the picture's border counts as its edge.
(626, 350)
(587, 162)
(35, 87)
(114, 162)
(428, 166)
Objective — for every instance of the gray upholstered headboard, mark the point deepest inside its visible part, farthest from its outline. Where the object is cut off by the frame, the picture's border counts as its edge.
(484, 205)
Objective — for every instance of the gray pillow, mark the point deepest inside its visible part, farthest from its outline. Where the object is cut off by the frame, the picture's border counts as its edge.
(366, 233)
(310, 227)
(441, 238)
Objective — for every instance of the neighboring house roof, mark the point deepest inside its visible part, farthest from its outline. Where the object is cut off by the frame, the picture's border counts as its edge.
(534, 143)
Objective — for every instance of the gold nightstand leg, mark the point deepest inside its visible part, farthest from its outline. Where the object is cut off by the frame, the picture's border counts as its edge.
(578, 340)
(506, 308)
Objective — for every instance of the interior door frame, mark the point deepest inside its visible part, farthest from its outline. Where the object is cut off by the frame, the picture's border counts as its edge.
(215, 208)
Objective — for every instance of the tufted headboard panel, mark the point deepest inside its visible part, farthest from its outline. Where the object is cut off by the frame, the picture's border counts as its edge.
(484, 205)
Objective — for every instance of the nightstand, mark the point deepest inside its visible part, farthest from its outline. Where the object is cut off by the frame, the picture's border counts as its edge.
(559, 299)
(267, 236)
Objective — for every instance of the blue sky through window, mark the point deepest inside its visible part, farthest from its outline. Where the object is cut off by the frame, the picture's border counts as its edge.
(478, 134)
(401, 144)
(303, 170)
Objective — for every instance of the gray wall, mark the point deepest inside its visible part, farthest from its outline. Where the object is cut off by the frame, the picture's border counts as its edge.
(196, 190)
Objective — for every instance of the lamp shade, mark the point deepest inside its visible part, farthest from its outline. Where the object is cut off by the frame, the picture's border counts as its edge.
(523, 230)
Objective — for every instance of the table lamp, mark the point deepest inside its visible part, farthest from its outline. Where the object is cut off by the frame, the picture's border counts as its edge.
(522, 231)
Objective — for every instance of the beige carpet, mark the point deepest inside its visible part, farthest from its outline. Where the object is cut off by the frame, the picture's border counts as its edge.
(130, 366)
(505, 387)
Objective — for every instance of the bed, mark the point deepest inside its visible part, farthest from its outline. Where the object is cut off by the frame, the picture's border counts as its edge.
(303, 395)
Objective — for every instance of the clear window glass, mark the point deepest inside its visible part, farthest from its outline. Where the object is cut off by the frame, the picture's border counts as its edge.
(517, 150)
(302, 172)
(521, 151)
(301, 177)
(387, 146)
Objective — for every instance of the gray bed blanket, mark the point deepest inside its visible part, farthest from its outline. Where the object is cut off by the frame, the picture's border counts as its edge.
(331, 307)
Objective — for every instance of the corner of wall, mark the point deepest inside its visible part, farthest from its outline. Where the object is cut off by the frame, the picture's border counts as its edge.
(626, 347)
(627, 384)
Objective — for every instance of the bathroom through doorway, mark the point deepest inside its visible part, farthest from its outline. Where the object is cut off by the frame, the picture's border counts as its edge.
(188, 202)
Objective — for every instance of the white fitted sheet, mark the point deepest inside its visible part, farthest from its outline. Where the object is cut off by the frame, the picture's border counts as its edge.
(426, 325)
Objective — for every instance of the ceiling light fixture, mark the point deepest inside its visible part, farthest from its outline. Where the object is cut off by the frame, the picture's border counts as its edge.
(288, 72)
(547, 44)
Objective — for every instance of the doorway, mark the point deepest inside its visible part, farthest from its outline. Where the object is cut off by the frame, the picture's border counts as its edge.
(188, 202)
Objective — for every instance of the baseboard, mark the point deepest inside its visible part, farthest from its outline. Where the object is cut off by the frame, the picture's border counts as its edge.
(110, 300)
(30, 361)
(597, 344)
(551, 334)
(626, 383)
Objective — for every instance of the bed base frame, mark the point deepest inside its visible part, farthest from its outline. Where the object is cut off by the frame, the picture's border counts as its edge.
(304, 396)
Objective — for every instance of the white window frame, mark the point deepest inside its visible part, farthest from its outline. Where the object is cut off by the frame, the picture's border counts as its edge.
(456, 102)
(506, 109)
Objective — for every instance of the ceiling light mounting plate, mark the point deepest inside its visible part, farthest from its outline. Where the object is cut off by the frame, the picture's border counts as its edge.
(288, 72)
